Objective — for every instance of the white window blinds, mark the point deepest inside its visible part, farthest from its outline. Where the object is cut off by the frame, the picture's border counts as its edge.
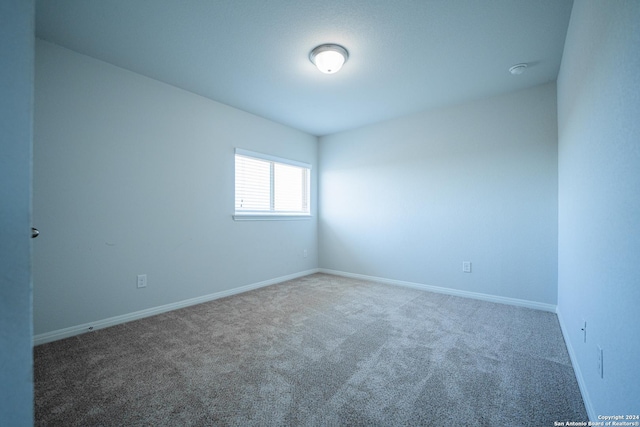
(268, 185)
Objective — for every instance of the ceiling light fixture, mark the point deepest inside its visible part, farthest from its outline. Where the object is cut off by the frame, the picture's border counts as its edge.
(329, 58)
(517, 69)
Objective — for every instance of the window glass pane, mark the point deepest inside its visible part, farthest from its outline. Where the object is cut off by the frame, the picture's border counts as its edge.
(289, 185)
(253, 182)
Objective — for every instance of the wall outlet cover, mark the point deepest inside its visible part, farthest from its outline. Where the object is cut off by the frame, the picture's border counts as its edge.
(466, 266)
(142, 281)
(600, 362)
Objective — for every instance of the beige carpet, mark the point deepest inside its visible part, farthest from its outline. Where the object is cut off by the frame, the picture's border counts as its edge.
(320, 350)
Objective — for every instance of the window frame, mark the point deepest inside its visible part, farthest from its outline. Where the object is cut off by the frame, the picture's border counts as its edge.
(271, 215)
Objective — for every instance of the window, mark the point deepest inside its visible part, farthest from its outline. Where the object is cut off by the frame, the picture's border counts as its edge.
(268, 187)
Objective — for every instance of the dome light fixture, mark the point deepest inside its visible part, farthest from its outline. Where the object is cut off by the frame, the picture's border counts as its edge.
(329, 58)
(518, 69)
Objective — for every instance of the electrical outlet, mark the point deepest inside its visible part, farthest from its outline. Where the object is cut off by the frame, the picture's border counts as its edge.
(466, 266)
(584, 331)
(600, 362)
(304, 253)
(142, 280)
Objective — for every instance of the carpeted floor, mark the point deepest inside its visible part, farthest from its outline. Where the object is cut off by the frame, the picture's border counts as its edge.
(319, 350)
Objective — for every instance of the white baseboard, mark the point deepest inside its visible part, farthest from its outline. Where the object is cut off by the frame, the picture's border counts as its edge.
(116, 320)
(466, 294)
(576, 369)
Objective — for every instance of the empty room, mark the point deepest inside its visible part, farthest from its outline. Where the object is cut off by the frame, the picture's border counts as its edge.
(321, 213)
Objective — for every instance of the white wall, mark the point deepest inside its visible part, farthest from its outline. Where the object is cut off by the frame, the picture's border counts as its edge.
(16, 104)
(412, 198)
(132, 176)
(599, 193)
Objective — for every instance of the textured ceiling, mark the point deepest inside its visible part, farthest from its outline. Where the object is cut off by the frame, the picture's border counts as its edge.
(405, 55)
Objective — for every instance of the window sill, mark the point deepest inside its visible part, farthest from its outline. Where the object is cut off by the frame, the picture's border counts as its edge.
(270, 217)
